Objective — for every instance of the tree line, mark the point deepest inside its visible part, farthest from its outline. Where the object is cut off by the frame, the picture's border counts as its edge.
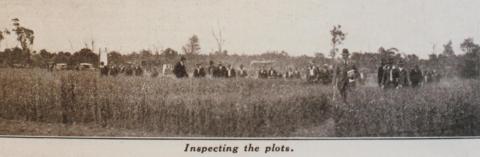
(447, 62)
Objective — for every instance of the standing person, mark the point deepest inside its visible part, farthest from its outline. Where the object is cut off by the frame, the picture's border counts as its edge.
(324, 75)
(50, 66)
(426, 76)
(103, 69)
(129, 70)
(380, 73)
(262, 73)
(199, 71)
(436, 76)
(272, 73)
(311, 73)
(180, 69)
(217, 70)
(402, 76)
(242, 72)
(416, 76)
(289, 73)
(138, 71)
(155, 72)
(211, 69)
(296, 74)
(346, 75)
(390, 76)
(231, 72)
(115, 70)
(221, 71)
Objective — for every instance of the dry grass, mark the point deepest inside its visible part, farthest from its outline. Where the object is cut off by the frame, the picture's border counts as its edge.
(232, 107)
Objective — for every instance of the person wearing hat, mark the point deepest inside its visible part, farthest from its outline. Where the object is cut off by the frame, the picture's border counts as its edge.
(324, 75)
(380, 73)
(199, 71)
(180, 70)
(103, 69)
(402, 80)
(231, 72)
(416, 76)
(390, 75)
(211, 69)
(221, 71)
(242, 72)
(347, 74)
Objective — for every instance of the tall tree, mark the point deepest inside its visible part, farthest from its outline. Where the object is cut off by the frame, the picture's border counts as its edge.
(447, 60)
(85, 55)
(338, 36)
(169, 55)
(193, 46)
(448, 49)
(471, 67)
(115, 57)
(46, 55)
(24, 35)
(468, 45)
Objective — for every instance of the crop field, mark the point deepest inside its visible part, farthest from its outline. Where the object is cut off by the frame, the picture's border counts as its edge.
(86, 104)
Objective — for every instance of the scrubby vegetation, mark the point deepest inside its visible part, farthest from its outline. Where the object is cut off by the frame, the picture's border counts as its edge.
(233, 107)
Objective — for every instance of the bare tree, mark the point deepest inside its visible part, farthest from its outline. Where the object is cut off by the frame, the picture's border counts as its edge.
(218, 36)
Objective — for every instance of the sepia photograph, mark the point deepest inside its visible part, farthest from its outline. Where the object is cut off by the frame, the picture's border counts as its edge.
(244, 68)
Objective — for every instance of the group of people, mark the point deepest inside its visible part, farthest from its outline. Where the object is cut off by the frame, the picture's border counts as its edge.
(320, 74)
(212, 70)
(397, 76)
(221, 71)
(114, 70)
(271, 73)
(390, 75)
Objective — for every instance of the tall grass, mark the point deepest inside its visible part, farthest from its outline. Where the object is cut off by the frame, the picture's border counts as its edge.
(190, 107)
(233, 107)
(444, 109)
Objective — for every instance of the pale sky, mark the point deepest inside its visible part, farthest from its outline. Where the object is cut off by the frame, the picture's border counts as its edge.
(249, 26)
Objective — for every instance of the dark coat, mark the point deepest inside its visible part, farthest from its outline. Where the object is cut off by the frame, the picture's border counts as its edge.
(416, 77)
(104, 70)
(138, 71)
(272, 73)
(403, 77)
(344, 79)
(390, 77)
(199, 72)
(129, 71)
(231, 73)
(211, 70)
(222, 71)
(380, 74)
(262, 73)
(180, 70)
